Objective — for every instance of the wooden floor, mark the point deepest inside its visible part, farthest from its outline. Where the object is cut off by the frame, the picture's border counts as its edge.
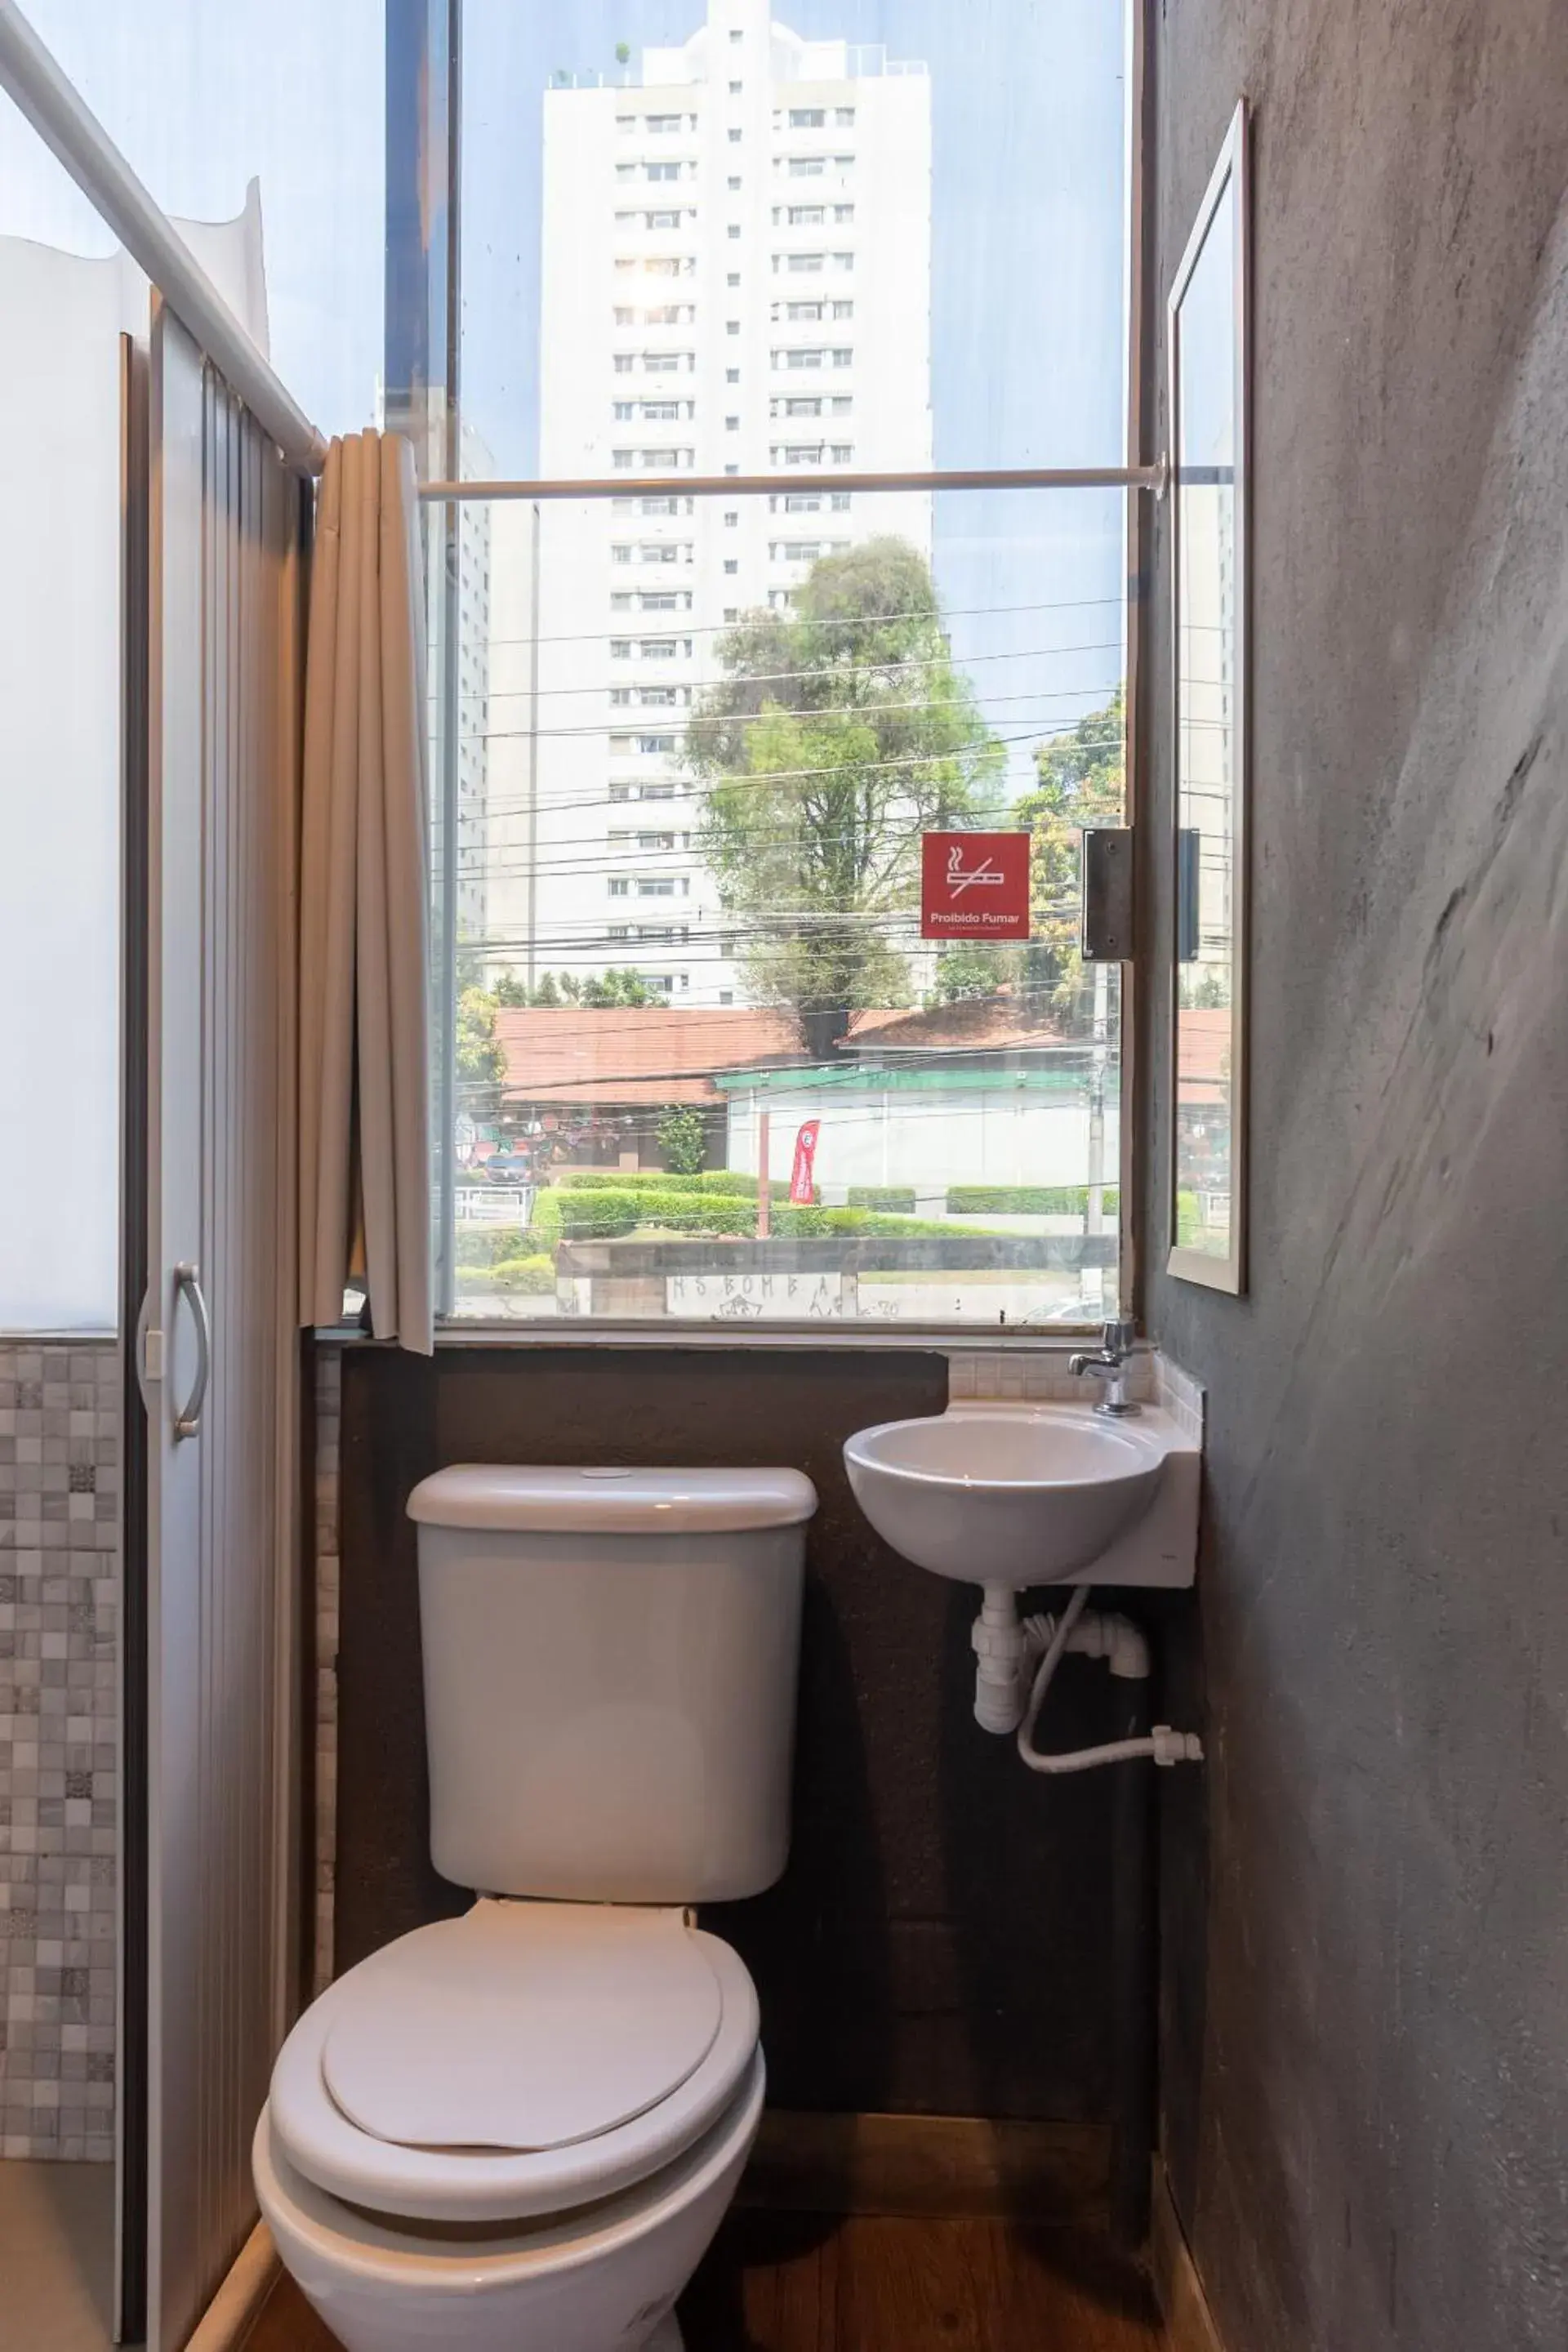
(790, 2282)
(56, 2257)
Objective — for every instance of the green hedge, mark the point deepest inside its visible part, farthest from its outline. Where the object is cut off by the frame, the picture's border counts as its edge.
(613, 1210)
(1026, 1199)
(722, 1181)
(530, 1276)
(900, 1197)
(487, 1245)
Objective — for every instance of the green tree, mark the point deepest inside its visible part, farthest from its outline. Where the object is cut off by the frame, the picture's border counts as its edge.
(508, 991)
(481, 1059)
(971, 970)
(1082, 782)
(840, 732)
(683, 1140)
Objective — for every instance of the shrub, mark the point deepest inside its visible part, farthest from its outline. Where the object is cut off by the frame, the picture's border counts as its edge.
(900, 1197)
(611, 1210)
(658, 1179)
(533, 1277)
(1025, 1199)
(683, 1140)
(486, 1245)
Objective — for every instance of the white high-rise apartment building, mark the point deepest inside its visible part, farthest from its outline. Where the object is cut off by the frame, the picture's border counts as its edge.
(736, 281)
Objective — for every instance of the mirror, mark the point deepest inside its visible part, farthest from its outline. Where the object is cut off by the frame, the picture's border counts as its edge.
(1207, 345)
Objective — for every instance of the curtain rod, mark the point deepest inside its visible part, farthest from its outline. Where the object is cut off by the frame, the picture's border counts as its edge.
(741, 486)
(72, 131)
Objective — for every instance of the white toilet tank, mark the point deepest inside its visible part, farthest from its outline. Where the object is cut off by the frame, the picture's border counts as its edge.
(610, 1665)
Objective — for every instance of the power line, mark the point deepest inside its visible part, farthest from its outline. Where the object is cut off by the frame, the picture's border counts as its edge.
(757, 614)
(768, 677)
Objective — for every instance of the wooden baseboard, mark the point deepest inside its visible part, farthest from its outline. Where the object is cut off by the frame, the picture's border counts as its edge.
(237, 2305)
(1189, 2323)
(957, 2165)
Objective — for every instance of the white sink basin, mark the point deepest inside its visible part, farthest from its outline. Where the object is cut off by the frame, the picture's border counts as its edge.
(1021, 1495)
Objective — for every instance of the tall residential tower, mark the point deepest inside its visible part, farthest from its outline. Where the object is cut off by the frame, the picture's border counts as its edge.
(736, 281)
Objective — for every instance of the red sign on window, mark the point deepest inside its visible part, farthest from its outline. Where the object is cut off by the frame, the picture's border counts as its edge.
(803, 1175)
(975, 885)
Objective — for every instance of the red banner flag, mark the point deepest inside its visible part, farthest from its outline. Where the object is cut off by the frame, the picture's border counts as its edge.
(803, 1175)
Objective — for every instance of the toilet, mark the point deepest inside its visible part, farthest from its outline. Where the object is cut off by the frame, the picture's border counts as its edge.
(518, 2130)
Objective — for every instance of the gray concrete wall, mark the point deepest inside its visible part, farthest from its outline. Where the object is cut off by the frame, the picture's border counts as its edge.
(1365, 1971)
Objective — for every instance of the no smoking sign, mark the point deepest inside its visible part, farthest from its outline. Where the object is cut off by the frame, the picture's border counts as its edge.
(975, 885)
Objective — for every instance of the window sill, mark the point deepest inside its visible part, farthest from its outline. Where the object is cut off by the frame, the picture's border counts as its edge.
(602, 1332)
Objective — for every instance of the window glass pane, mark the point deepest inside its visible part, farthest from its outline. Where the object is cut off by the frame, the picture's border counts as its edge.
(690, 868)
(964, 220)
(59, 768)
(269, 111)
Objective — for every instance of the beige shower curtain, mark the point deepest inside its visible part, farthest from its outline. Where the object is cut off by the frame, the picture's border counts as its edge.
(364, 1058)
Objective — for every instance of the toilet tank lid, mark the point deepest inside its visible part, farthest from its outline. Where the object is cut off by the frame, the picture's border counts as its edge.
(610, 1499)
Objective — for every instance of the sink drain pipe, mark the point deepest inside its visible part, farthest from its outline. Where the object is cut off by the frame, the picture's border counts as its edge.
(1016, 1660)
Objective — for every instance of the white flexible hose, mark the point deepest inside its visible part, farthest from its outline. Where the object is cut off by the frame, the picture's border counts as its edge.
(1163, 1745)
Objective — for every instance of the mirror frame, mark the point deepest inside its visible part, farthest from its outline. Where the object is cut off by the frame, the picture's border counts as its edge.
(1231, 172)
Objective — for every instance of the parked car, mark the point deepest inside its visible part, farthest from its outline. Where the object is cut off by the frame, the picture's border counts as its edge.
(508, 1168)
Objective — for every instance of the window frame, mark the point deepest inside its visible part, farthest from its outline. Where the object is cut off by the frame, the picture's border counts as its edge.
(1139, 474)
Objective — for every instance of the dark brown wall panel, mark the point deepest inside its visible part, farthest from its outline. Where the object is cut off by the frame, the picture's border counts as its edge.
(939, 1940)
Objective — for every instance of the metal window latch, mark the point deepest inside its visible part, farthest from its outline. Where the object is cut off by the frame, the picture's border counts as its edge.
(1108, 894)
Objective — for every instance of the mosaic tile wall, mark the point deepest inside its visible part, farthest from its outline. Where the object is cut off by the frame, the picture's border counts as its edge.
(59, 1599)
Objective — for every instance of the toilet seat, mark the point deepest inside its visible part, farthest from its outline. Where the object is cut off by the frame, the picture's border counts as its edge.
(606, 2080)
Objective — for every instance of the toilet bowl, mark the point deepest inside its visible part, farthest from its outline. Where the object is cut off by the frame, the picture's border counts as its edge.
(518, 2129)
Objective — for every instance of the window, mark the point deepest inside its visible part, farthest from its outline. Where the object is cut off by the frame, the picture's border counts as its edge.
(734, 229)
(733, 278)
(735, 89)
(625, 410)
(662, 126)
(994, 1205)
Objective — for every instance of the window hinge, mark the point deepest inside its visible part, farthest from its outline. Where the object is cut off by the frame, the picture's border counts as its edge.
(1108, 894)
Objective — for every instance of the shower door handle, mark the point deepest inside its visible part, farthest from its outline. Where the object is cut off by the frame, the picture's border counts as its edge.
(188, 1285)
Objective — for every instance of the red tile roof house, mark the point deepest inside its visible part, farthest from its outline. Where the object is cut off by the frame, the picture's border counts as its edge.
(964, 1094)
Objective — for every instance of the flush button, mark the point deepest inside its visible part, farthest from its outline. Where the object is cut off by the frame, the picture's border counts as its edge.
(603, 1474)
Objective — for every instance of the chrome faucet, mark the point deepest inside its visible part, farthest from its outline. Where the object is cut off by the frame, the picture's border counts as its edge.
(1117, 1340)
